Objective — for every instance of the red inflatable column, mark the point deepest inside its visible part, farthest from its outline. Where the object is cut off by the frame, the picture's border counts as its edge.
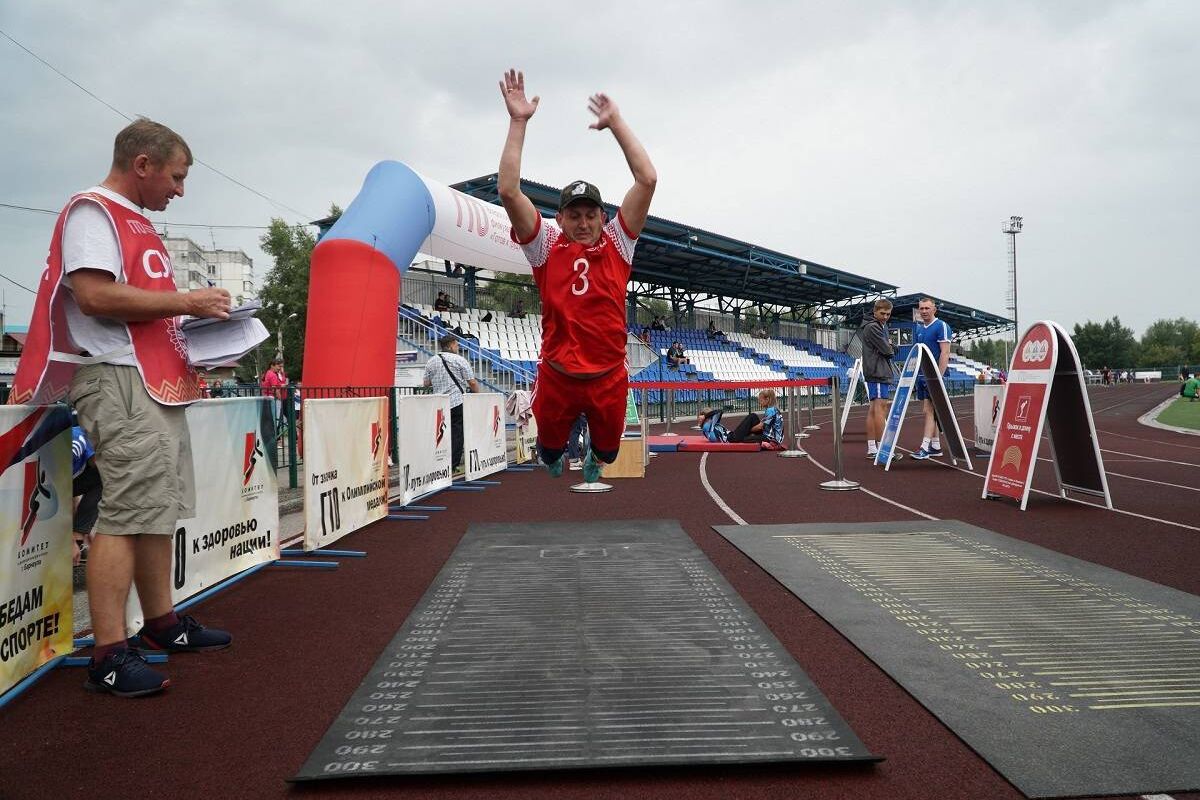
(350, 340)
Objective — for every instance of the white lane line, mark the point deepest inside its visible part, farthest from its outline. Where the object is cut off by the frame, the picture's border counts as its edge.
(1082, 502)
(877, 496)
(1150, 458)
(1148, 441)
(716, 497)
(1147, 480)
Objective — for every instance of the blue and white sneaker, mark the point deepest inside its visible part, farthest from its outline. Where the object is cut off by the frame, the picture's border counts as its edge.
(921, 454)
(591, 468)
(935, 452)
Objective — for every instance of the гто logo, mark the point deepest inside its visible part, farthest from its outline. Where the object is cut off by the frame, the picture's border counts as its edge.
(376, 438)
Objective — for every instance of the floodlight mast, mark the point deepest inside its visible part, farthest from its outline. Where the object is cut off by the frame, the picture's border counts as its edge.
(1012, 228)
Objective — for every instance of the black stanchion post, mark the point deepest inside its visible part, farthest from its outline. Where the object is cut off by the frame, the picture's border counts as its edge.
(793, 420)
(290, 411)
(839, 483)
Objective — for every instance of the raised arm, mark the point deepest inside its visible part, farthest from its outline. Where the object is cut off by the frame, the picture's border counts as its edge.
(521, 211)
(636, 204)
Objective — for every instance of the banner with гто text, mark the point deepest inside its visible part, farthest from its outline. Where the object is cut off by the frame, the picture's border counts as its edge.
(236, 522)
(345, 466)
(484, 435)
(424, 444)
(35, 539)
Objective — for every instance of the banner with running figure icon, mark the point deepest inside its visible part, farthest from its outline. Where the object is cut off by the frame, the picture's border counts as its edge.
(346, 443)
(35, 539)
(236, 522)
(484, 435)
(424, 444)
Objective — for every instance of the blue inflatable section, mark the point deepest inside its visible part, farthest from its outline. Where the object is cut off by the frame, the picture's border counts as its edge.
(394, 213)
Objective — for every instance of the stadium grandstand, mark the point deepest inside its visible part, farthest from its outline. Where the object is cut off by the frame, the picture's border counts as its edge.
(807, 310)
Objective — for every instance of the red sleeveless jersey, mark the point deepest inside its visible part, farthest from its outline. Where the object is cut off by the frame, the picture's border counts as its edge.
(583, 296)
(158, 345)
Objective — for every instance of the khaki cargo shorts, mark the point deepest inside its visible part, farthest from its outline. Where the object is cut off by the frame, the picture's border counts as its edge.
(143, 451)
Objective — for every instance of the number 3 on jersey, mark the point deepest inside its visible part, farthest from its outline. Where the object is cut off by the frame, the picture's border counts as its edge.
(580, 284)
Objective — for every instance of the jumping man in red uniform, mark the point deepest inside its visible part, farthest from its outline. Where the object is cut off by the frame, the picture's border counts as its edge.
(581, 265)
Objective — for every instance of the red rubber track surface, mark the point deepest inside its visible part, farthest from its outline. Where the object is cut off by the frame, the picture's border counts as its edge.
(238, 723)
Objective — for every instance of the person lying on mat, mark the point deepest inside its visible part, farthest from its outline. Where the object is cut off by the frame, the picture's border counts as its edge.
(767, 428)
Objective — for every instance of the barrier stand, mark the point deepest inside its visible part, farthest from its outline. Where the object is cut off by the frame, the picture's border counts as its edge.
(810, 426)
(416, 508)
(669, 402)
(839, 482)
(646, 424)
(310, 553)
(793, 419)
(407, 516)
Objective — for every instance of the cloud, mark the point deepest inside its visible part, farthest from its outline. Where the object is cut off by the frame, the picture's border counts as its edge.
(888, 141)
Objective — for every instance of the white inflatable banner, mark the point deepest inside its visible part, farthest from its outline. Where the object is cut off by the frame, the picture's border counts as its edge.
(35, 539)
(484, 435)
(345, 466)
(424, 444)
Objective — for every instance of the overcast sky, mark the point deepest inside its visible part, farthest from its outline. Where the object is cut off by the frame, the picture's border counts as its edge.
(891, 140)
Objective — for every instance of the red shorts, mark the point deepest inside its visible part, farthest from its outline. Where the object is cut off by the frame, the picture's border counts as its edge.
(559, 399)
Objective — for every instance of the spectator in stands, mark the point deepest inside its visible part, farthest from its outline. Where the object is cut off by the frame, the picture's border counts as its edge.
(272, 383)
(712, 332)
(449, 373)
(934, 334)
(676, 356)
(767, 428)
(442, 303)
(581, 266)
(518, 309)
(644, 336)
(877, 353)
(658, 324)
(759, 333)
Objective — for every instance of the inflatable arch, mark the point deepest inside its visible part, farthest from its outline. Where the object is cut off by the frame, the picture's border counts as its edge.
(356, 270)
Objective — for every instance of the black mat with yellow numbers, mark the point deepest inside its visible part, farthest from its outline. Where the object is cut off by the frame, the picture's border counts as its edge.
(1069, 678)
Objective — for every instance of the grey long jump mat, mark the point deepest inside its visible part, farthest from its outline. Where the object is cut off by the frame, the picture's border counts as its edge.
(563, 645)
(1069, 678)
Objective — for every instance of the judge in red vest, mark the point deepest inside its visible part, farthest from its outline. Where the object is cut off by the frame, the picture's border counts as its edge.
(105, 333)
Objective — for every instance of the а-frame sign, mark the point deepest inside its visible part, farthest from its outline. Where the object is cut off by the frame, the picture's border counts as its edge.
(921, 364)
(1046, 385)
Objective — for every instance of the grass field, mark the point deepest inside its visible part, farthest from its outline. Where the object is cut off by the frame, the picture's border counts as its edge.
(1182, 414)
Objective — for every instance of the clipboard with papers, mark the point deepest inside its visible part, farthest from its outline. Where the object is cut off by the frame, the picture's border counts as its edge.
(212, 342)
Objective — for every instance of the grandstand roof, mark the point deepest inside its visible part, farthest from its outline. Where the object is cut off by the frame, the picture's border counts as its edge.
(964, 321)
(684, 257)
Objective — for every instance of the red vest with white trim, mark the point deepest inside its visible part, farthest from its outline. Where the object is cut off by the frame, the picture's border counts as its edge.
(158, 345)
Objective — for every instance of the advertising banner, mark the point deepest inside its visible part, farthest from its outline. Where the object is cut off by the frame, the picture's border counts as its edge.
(1045, 383)
(987, 414)
(853, 377)
(484, 435)
(424, 444)
(899, 407)
(1022, 414)
(345, 466)
(35, 539)
(526, 441)
(236, 525)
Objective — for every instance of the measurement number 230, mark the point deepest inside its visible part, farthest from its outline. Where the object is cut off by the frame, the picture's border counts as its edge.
(580, 284)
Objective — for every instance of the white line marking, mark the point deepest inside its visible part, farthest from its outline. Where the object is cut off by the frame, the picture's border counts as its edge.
(865, 490)
(716, 497)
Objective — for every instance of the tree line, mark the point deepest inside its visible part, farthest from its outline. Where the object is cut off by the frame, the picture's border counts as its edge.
(1167, 343)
